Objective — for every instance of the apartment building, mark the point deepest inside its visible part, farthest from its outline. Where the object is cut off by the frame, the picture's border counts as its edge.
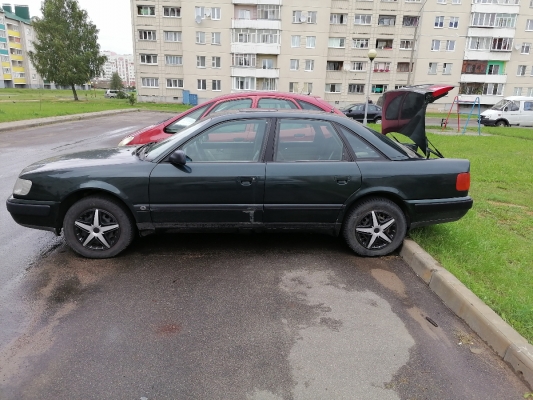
(16, 37)
(123, 64)
(321, 47)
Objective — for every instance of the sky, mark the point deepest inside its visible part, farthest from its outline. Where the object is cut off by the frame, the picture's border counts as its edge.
(112, 17)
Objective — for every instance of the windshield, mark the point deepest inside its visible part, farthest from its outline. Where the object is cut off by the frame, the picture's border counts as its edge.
(500, 105)
(164, 146)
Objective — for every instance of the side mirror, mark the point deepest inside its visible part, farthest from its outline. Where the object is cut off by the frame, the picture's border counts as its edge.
(178, 158)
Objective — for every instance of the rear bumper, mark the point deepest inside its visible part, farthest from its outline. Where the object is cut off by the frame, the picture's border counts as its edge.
(35, 214)
(438, 211)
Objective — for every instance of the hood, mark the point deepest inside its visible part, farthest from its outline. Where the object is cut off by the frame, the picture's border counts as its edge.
(404, 111)
(100, 158)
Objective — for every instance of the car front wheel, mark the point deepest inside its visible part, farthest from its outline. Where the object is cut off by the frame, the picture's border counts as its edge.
(375, 227)
(98, 227)
(377, 120)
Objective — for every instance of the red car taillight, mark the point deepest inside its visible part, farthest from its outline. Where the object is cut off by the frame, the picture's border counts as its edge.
(463, 182)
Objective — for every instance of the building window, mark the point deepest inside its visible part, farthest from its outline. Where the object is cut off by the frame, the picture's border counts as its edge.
(525, 48)
(517, 91)
(173, 60)
(338, 19)
(456, 1)
(174, 83)
(309, 65)
(358, 66)
(529, 25)
(295, 64)
(244, 83)
(244, 60)
(148, 59)
(5, 58)
(454, 22)
(409, 20)
(501, 44)
(215, 14)
(172, 12)
(333, 87)
(199, 12)
(172, 36)
(267, 63)
(334, 66)
(505, 20)
(521, 71)
(530, 92)
(200, 37)
(201, 84)
(432, 68)
(311, 17)
(435, 45)
(381, 66)
(299, 17)
(215, 38)
(379, 88)
(244, 14)
(2, 34)
(308, 88)
(147, 35)
(406, 44)
(441, 1)
(493, 69)
(295, 41)
(360, 43)
(387, 20)
(7, 70)
(447, 69)
(362, 19)
(356, 88)
(146, 10)
(450, 45)
(310, 42)
(402, 67)
(293, 87)
(439, 22)
(269, 84)
(336, 43)
(150, 82)
(267, 11)
(200, 61)
(216, 85)
(215, 62)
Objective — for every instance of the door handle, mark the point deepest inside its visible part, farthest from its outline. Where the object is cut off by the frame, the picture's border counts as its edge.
(247, 180)
(342, 180)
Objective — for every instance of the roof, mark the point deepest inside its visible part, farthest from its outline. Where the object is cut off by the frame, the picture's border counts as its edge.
(11, 15)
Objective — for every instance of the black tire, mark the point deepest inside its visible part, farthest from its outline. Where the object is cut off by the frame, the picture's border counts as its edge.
(501, 122)
(79, 225)
(377, 120)
(372, 214)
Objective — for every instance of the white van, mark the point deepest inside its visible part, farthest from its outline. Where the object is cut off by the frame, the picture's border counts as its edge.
(512, 110)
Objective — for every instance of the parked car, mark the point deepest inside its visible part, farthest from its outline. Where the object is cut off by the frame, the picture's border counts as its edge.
(251, 170)
(512, 110)
(111, 93)
(272, 100)
(357, 112)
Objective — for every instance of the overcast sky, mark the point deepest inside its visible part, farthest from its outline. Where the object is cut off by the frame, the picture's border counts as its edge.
(112, 17)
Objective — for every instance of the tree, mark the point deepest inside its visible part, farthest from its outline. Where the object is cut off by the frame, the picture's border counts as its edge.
(116, 82)
(66, 50)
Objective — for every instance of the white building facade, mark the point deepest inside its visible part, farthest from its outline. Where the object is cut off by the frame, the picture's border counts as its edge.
(124, 65)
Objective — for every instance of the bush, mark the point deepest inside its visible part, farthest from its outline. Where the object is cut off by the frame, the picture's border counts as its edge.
(121, 95)
(132, 99)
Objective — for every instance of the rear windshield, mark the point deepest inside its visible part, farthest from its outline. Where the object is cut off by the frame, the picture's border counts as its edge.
(394, 144)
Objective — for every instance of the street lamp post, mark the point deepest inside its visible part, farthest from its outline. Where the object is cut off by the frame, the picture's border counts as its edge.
(371, 55)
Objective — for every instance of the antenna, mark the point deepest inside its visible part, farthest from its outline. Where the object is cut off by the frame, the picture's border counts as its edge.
(517, 46)
(198, 19)
(207, 12)
(303, 16)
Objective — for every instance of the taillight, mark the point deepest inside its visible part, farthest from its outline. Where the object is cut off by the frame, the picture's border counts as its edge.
(463, 182)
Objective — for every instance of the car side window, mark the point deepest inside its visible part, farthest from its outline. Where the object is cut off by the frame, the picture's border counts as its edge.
(232, 141)
(232, 105)
(514, 106)
(308, 106)
(528, 105)
(187, 120)
(361, 149)
(276, 103)
(307, 140)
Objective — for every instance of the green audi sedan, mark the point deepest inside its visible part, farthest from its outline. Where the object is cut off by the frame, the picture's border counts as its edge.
(247, 170)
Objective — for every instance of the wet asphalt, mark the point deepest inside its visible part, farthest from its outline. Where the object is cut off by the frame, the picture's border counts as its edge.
(219, 316)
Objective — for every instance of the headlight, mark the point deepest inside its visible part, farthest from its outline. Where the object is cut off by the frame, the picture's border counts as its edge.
(126, 140)
(22, 187)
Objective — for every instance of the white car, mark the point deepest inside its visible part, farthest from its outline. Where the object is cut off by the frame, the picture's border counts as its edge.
(111, 93)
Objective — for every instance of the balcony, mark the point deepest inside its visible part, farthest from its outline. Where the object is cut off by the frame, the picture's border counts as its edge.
(487, 55)
(256, 48)
(255, 72)
(483, 78)
(496, 8)
(491, 32)
(256, 24)
(256, 2)
(483, 98)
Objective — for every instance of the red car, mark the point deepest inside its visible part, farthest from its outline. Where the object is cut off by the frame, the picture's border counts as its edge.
(156, 133)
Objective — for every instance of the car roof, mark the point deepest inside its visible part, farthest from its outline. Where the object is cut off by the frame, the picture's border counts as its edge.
(266, 94)
(269, 113)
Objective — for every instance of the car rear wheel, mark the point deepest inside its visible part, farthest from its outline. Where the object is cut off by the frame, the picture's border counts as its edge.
(98, 227)
(377, 120)
(375, 227)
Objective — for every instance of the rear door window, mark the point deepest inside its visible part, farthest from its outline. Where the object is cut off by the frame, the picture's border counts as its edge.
(232, 105)
(276, 103)
(308, 106)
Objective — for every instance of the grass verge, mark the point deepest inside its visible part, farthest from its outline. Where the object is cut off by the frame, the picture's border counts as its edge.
(490, 249)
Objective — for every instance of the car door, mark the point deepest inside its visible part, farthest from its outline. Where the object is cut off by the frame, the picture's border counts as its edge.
(308, 176)
(357, 112)
(222, 182)
(527, 113)
(512, 112)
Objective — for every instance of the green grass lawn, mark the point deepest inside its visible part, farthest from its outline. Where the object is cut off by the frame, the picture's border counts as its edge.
(21, 104)
(491, 249)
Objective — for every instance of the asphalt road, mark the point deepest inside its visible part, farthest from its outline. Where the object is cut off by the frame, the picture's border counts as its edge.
(220, 316)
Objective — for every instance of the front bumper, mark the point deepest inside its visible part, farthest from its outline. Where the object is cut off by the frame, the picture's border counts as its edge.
(438, 211)
(35, 214)
(487, 121)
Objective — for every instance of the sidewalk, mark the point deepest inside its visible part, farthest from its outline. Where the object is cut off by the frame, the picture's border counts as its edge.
(30, 123)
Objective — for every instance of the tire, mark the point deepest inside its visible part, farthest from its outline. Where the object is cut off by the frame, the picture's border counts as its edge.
(79, 225)
(371, 214)
(501, 122)
(377, 120)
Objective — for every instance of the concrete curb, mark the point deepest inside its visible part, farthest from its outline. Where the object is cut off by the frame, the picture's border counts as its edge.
(505, 341)
(31, 123)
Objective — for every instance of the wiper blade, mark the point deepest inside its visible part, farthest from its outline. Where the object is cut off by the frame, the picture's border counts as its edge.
(138, 150)
(145, 149)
